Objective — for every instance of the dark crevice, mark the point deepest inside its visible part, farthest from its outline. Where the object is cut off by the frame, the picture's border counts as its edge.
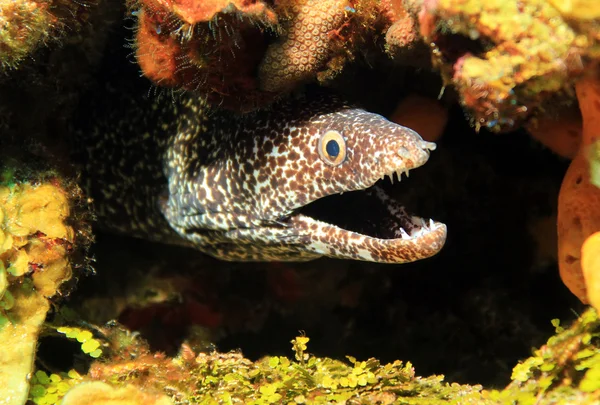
(358, 211)
(455, 46)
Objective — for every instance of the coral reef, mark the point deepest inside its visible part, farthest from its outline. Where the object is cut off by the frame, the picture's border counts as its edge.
(504, 57)
(318, 38)
(584, 17)
(27, 24)
(403, 41)
(99, 393)
(305, 45)
(213, 48)
(229, 377)
(565, 370)
(35, 247)
(470, 184)
(24, 27)
(578, 218)
(245, 54)
(579, 198)
(225, 51)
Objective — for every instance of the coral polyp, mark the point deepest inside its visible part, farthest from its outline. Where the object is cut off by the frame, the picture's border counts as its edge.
(318, 38)
(304, 46)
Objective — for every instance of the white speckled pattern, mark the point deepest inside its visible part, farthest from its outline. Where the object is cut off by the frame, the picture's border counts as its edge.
(232, 185)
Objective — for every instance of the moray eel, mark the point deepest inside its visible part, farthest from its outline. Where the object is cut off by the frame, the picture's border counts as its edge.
(291, 183)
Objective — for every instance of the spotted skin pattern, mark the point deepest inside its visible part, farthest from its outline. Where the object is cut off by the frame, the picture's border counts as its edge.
(232, 185)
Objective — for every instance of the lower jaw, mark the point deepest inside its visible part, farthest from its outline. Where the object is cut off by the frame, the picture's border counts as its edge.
(332, 241)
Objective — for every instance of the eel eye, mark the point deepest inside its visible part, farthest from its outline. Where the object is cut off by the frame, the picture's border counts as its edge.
(332, 148)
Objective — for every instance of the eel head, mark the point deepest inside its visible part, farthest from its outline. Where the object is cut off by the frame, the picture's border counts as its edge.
(307, 186)
(352, 153)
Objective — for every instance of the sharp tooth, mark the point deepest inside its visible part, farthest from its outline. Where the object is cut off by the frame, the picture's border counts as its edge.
(404, 234)
(406, 172)
(391, 178)
(431, 223)
(423, 223)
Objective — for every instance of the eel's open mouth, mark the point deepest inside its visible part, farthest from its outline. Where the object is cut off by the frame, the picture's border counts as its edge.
(379, 227)
(371, 212)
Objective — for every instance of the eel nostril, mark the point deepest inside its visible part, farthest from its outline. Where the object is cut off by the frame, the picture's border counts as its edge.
(403, 152)
(428, 145)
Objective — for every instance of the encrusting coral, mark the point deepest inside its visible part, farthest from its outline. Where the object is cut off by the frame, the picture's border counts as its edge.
(34, 249)
(242, 55)
(27, 24)
(212, 48)
(100, 393)
(505, 58)
(403, 41)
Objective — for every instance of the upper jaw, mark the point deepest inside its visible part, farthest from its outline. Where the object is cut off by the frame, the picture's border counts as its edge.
(402, 160)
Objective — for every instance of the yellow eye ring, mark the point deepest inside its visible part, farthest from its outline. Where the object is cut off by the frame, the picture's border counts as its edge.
(332, 148)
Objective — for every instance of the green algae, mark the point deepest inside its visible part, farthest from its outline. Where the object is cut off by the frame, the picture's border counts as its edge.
(563, 371)
(220, 378)
(89, 345)
(566, 370)
(49, 389)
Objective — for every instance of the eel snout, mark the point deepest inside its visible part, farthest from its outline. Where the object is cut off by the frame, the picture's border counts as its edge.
(403, 153)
